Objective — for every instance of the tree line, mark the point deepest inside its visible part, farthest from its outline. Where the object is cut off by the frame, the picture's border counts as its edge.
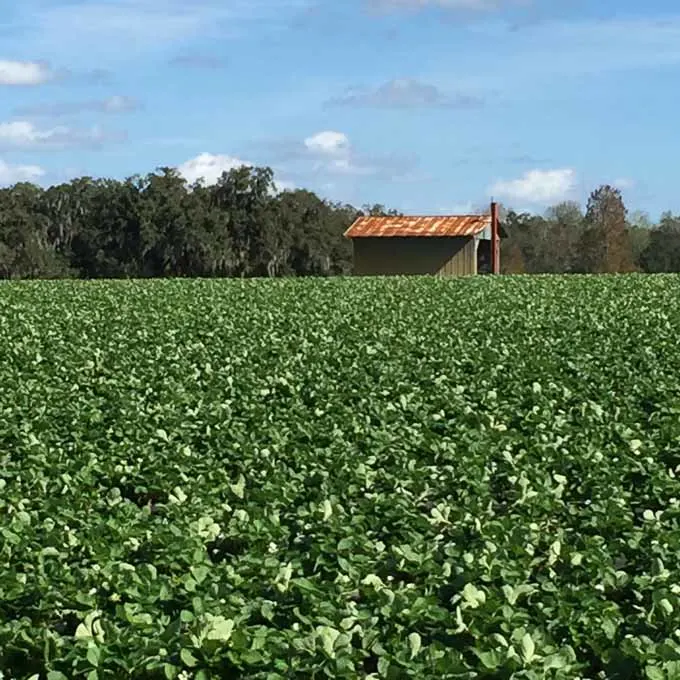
(160, 225)
(602, 239)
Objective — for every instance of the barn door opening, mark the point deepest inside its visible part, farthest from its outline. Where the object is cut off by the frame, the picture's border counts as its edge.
(484, 256)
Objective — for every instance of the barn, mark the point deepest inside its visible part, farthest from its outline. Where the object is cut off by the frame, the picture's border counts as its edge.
(451, 245)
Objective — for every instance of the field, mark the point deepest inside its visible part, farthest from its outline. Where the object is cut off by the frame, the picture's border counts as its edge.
(405, 478)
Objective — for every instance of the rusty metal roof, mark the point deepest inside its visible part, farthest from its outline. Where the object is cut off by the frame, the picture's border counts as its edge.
(413, 225)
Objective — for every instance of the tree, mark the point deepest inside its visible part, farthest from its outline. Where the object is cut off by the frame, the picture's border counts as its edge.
(527, 235)
(167, 234)
(25, 247)
(245, 194)
(662, 253)
(108, 241)
(639, 230)
(512, 260)
(379, 210)
(605, 243)
(564, 230)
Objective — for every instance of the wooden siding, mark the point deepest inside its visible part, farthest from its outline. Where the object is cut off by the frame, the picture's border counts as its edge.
(443, 256)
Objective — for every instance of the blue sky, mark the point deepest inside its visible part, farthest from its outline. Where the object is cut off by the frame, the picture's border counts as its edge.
(429, 106)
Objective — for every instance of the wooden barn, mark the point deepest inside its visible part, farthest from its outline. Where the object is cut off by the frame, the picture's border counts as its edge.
(452, 245)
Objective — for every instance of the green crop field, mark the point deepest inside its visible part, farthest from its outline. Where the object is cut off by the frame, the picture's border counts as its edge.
(341, 478)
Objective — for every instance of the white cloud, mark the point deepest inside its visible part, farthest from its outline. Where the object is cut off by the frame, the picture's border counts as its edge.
(405, 93)
(208, 168)
(22, 134)
(328, 142)
(538, 186)
(331, 154)
(10, 174)
(23, 72)
(284, 185)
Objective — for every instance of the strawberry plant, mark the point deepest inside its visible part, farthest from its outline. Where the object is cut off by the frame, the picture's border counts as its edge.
(342, 478)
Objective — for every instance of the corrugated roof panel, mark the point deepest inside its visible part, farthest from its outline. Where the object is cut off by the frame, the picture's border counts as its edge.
(412, 225)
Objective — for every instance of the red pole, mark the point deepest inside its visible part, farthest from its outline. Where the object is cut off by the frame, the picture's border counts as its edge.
(495, 240)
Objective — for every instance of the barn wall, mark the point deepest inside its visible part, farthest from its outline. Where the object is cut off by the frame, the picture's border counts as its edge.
(445, 256)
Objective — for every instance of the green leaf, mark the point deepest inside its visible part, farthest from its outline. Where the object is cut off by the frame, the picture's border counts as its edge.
(666, 606)
(199, 573)
(491, 659)
(414, 642)
(188, 659)
(238, 489)
(473, 596)
(528, 648)
(383, 666)
(328, 636)
(93, 655)
(555, 661)
(220, 628)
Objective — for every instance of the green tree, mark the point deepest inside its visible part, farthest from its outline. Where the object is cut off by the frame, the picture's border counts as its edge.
(527, 236)
(26, 250)
(605, 243)
(662, 253)
(379, 210)
(245, 195)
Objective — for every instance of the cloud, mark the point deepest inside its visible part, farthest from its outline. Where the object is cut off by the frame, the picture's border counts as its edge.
(24, 72)
(114, 104)
(24, 135)
(405, 93)
(209, 167)
(326, 155)
(538, 186)
(328, 142)
(331, 154)
(11, 174)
